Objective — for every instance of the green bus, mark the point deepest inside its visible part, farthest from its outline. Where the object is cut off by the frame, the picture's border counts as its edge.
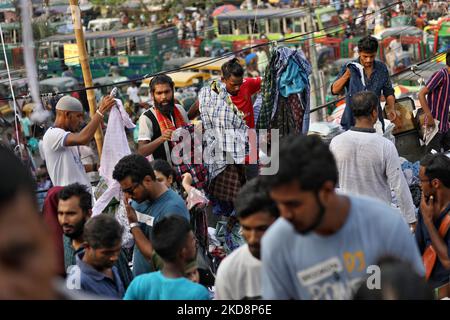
(134, 52)
(241, 25)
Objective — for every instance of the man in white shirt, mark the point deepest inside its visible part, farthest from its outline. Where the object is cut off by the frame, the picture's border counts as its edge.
(368, 164)
(61, 141)
(157, 123)
(239, 274)
(133, 93)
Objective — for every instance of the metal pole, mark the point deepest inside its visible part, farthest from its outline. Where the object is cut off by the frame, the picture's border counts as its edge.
(313, 59)
(86, 69)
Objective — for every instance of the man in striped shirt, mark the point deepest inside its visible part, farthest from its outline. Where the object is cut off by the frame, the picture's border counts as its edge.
(436, 106)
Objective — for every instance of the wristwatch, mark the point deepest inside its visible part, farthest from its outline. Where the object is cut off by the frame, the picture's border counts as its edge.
(134, 224)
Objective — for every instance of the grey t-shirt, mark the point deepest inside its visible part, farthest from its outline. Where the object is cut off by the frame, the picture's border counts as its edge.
(312, 266)
(63, 163)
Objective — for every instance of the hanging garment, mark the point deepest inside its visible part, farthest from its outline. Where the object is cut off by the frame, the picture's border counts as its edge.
(115, 147)
(292, 69)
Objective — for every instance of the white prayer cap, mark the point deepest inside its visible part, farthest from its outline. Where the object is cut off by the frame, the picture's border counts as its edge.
(68, 103)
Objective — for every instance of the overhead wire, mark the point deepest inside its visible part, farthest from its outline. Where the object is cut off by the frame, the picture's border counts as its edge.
(224, 56)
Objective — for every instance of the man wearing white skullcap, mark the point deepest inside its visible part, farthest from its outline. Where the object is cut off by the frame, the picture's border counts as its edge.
(60, 142)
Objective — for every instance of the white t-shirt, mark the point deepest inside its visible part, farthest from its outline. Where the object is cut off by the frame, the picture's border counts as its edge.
(146, 126)
(132, 92)
(239, 276)
(63, 163)
(87, 157)
(369, 164)
(146, 130)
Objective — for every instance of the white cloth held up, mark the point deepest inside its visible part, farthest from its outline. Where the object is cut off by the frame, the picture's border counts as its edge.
(115, 147)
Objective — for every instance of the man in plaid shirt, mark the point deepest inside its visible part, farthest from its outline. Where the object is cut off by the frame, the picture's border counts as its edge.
(225, 133)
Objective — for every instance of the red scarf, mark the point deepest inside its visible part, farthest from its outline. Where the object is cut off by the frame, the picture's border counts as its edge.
(166, 123)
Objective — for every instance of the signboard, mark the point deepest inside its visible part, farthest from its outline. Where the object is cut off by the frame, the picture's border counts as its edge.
(123, 61)
(71, 56)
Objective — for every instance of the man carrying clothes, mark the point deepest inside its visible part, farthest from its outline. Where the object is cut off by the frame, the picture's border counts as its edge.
(157, 124)
(226, 131)
(61, 142)
(364, 74)
(437, 105)
(432, 233)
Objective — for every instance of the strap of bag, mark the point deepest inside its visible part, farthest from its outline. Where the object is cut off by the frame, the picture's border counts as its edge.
(429, 256)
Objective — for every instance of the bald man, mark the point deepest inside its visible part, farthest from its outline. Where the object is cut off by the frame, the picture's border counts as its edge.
(60, 143)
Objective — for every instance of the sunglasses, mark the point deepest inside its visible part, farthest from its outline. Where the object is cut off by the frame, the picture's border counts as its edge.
(131, 189)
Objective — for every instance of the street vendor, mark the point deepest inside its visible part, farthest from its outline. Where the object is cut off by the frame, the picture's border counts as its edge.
(364, 74)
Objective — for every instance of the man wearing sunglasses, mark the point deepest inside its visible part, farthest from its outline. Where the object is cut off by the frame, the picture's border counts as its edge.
(148, 197)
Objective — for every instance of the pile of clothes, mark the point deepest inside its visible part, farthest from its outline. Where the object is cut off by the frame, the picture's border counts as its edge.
(411, 173)
(326, 130)
(285, 93)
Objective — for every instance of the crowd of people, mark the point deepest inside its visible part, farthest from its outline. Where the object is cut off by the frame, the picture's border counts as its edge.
(220, 229)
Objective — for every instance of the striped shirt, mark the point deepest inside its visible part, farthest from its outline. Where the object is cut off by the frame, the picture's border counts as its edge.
(439, 98)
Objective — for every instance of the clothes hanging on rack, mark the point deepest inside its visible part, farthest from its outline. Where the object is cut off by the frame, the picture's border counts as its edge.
(286, 92)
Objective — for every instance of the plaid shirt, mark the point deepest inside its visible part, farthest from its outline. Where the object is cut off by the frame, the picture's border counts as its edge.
(197, 170)
(225, 129)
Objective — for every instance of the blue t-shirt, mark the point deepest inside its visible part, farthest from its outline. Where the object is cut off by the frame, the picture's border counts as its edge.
(312, 266)
(167, 204)
(154, 286)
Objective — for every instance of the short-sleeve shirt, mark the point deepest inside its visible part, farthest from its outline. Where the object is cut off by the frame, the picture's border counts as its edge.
(169, 203)
(63, 163)
(316, 267)
(155, 286)
(243, 100)
(439, 97)
(146, 127)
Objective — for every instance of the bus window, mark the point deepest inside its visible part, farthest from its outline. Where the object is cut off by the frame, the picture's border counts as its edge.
(254, 27)
(274, 26)
(225, 27)
(242, 26)
(289, 24)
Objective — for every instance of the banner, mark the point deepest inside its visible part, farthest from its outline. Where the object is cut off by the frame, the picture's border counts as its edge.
(71, 56)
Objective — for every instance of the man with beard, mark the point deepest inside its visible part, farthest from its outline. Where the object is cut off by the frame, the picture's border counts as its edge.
(60, 143)
(152, 199)
(157, 123)
(95, 270)
(74, 210)
(325, 243)
(239, 274)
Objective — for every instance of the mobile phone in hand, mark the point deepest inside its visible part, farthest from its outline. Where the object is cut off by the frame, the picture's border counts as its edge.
(113, 92)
